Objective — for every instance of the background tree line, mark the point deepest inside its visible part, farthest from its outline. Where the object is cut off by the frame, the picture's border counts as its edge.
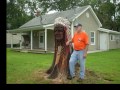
(21, 11)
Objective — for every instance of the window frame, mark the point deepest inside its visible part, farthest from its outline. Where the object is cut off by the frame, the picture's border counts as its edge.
(113, 37)
(92, 43)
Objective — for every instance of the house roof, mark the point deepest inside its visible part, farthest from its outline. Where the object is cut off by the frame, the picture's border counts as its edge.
(108, 31)
(48, 19)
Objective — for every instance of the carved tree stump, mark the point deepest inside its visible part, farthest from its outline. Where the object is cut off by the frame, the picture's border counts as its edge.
(60, 65)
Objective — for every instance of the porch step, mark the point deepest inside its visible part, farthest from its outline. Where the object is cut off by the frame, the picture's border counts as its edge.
(31, 51)
(18, 50)
(36, 51)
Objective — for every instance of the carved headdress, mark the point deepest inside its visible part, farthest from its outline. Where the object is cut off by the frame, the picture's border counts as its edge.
(65, 23)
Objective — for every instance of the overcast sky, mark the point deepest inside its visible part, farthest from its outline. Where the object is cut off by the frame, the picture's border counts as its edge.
(117, 1)
(53, 11)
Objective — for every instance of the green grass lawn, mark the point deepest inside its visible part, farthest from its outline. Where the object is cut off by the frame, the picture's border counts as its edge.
(26, 67)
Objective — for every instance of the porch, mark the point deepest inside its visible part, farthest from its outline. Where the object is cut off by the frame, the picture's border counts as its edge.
(36, 40)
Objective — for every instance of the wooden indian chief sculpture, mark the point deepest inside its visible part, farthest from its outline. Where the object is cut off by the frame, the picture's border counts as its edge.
(60, 64)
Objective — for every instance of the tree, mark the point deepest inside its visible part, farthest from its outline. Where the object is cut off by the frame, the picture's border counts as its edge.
(104, 9)
(107, 14)
(21, 11)
(16, 16)
(118, 17)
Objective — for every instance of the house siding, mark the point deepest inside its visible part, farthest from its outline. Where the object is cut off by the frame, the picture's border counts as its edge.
(16, 38)
(89, 24)
(115, 43)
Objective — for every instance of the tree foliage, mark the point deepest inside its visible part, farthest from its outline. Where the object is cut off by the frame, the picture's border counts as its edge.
(16, 16)
(21, 11)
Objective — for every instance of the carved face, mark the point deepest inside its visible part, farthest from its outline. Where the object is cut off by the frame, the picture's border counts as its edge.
(59, 32)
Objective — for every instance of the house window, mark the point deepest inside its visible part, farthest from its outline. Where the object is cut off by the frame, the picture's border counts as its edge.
(112, 37)
(92, 38)
(14, 34)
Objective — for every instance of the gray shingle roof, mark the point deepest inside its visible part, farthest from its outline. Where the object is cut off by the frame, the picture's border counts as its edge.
(49, 18)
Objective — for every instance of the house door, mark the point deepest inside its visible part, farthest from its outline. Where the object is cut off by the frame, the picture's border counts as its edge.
(41, 40)
(103, 41)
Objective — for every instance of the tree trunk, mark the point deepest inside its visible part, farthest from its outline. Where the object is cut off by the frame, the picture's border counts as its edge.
(60, 65)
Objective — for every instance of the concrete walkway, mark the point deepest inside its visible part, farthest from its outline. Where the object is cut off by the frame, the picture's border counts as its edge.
(96, 51)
